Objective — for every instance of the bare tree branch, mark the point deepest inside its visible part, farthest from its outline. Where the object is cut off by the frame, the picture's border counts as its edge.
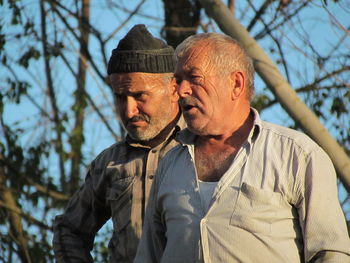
(287, 18)
(88, 27)
(102, 117)
(52, 96)
(14, 218)
(92, 103)
(181, 20)
(259, 13)
(231, 6)
(43, 189)
(259, 17)
(21, 214)
(307, 88)
(125, 21)
(77, 136)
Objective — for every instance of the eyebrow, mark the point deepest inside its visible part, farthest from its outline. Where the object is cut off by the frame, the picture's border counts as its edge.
(187, 71)
(131, 93)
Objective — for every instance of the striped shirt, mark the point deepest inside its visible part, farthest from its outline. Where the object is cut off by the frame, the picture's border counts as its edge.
(117, 186)
(276, 203)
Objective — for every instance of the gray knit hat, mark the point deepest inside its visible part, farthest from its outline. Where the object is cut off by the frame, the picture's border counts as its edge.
(139, 51)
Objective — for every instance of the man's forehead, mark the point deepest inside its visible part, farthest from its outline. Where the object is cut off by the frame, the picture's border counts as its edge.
(195, 59)
(188, 67)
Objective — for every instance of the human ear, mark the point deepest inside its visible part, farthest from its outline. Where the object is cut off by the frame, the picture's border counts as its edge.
(173, 90)
(237, 80)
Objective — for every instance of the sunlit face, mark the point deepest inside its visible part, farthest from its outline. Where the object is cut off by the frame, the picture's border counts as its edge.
(204, 96)
(143, 102)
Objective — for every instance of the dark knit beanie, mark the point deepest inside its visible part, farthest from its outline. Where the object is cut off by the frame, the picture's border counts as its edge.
(139, 51)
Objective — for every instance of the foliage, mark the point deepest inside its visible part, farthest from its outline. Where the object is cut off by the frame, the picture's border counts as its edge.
(56, 104)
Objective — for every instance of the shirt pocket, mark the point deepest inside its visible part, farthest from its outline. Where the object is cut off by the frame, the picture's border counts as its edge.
(120, 199)
(256, 209)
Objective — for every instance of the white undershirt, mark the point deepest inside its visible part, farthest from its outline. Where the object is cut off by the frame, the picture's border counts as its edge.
(206, 190)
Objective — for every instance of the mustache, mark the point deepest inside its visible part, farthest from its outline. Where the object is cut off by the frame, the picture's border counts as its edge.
(189, 101)
(141, 117)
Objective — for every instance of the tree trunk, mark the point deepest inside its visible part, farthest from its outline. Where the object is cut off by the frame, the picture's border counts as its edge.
(181, 20)
(287, 96)
(15, 219)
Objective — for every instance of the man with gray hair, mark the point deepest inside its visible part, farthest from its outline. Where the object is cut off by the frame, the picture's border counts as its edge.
(118, 181)
(238, 189)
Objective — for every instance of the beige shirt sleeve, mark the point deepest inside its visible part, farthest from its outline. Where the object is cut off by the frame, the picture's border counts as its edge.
(320, 216)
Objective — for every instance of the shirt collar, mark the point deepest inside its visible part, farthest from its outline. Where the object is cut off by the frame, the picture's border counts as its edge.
(255, 132)
(186, 137)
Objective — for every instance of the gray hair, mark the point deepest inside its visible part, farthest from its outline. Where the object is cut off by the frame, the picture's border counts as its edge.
(226, 54)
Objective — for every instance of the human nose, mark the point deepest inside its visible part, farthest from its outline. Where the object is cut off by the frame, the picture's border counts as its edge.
(131, 109)
(184, 89)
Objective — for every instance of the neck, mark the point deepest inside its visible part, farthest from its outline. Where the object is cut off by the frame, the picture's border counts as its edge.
(234, 136)
(233, 127)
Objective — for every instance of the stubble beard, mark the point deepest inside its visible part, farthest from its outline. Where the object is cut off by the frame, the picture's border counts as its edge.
(154, 127)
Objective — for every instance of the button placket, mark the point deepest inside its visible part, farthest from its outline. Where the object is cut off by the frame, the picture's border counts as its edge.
(152, 162)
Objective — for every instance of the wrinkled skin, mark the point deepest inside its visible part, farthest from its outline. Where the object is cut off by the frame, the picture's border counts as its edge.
(146, 103)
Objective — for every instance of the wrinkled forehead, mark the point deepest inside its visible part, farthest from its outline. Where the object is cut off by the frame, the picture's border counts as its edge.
(137, 81)
(197, 57)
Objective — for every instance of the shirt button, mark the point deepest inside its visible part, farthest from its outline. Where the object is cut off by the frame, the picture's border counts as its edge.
(151, 176)
(154, 151)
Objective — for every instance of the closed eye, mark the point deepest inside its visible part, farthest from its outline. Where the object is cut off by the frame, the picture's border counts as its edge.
(196, 79)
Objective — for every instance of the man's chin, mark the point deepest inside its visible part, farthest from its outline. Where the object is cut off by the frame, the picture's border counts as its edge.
(141, 135)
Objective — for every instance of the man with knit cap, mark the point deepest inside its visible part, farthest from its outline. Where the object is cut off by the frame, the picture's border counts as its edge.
(118, 181)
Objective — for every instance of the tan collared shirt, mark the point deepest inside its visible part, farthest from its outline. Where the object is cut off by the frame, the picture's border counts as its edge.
(276, 203)
(117, 186)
